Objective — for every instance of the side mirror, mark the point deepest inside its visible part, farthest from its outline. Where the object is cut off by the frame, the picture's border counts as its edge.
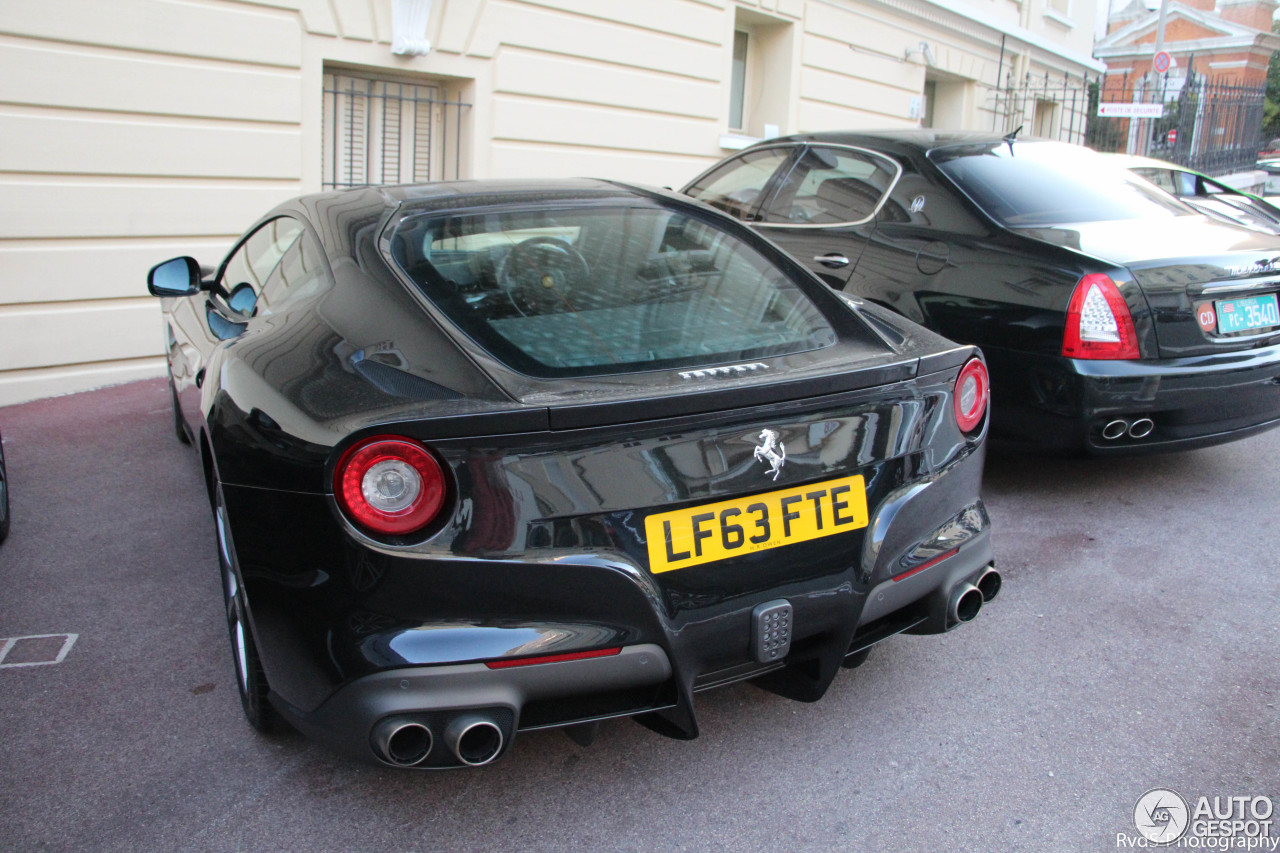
(176, 277)
(243, 299)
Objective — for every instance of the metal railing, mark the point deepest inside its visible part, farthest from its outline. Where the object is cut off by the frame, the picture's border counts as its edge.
(1042, 105)
(388, 132)
(1209, 125)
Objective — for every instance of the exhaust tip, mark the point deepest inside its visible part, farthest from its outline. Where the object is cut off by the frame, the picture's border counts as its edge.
(966, 601)
(1141, 428)
(989, 585)
(474, 740)
(1115, 429)
(404, 743)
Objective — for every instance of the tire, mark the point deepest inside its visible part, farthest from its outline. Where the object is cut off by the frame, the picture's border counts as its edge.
(251, 679)
(178, 426)
(857, 659)
(4, 497)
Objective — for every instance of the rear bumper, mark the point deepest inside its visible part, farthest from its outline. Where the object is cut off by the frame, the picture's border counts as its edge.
(1058, 403)
(382, 651)
(434, 697)
(919, 549)
(641, 679)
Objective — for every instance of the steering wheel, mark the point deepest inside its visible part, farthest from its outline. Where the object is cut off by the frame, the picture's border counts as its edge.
(540, 273)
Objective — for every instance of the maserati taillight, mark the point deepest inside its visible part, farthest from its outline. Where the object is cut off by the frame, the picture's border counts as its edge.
(1099, 324)
(389, 485)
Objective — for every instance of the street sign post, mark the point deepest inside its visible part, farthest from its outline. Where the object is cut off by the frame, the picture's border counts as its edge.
(1130, 110)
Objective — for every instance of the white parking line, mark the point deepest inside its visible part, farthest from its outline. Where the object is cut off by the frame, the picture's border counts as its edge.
(8, 644)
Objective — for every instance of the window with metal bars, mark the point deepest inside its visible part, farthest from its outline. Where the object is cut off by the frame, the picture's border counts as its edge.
(389, 132)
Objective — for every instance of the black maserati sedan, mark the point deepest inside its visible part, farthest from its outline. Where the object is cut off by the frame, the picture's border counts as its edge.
(1114, 317)
(487, 457)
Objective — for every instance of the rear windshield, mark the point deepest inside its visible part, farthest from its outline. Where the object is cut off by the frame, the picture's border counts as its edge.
(1035, 184)
(606, 288)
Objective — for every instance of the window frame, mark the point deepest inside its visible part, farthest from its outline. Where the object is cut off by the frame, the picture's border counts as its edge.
(780, 171)
(273, 295)
(384, 129)
(738, 88)
(798, 154)
(841, 323)
(220, 277)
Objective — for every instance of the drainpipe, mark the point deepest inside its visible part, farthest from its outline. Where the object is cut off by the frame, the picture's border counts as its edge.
(995, 113)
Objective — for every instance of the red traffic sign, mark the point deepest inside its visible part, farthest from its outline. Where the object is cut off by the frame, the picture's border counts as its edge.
(1161, 62)
(1173, 136)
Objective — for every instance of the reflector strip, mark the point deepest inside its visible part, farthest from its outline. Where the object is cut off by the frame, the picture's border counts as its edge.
(932, 562)
(507, 664)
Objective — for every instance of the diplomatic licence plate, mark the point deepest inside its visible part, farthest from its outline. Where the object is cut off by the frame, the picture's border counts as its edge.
(1241, 315)
(710, 532)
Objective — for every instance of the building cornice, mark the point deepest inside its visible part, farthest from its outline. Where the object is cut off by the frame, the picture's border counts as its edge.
(980, 25)
(1148, 23)
(1259, 40)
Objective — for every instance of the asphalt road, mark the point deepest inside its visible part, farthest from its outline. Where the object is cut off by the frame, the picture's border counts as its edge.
(1136, 644)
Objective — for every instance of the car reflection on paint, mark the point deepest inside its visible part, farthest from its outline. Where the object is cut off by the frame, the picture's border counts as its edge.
(1206, 194)
(1272, 169)
(500, 456)
(1107, 309)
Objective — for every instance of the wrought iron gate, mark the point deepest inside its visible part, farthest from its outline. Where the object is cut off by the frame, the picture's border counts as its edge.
(1209, 125)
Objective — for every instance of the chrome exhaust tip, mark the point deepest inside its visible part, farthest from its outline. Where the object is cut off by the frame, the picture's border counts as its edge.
(402, 742)
(989, 585)
(1115, 429)
(1141, 428)
(473, 739)
(966, 601)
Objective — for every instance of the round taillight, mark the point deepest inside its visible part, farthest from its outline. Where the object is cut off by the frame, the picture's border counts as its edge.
(389, 485)
(972, 389)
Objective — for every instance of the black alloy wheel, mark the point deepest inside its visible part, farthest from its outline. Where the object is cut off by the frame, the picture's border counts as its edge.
(251, 680)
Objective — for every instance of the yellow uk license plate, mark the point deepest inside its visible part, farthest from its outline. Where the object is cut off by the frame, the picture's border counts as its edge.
(704, 534)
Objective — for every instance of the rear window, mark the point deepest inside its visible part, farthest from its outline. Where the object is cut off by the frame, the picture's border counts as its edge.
(1036, 184)
(598, 288)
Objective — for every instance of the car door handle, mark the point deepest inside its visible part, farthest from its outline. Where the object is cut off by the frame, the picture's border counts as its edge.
(832, 259)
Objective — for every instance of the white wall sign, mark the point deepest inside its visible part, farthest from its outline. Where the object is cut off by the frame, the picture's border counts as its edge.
(1131, 110)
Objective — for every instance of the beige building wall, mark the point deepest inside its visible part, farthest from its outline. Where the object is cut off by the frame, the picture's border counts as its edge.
(138, 130)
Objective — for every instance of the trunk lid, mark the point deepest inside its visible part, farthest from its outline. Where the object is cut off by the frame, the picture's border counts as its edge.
(712, 507)
(1194, 272)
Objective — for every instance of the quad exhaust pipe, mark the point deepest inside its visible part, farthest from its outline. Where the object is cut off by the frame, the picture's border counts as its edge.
(989, 585)
(402, 742)
(966, 599)
(473, 739)
(1141, 428)
(1120, 427)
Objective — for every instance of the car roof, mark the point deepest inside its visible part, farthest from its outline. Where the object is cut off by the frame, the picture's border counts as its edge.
(446, 194)
(343, 216)
(917, 140)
